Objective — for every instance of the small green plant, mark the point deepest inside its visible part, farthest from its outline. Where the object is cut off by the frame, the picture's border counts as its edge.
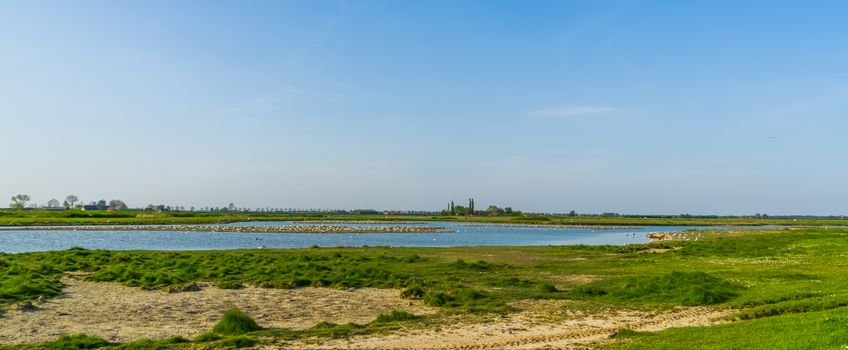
(235, 322)
(396, 316)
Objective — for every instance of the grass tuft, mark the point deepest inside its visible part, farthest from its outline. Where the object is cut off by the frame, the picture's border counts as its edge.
(235, 322)
(397, 316)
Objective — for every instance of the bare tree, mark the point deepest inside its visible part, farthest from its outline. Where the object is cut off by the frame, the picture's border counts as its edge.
(19, 201)
(53, 203)
(71, 199)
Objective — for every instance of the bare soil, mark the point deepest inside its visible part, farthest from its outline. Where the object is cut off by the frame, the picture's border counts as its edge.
(541, 325)
(120, 314)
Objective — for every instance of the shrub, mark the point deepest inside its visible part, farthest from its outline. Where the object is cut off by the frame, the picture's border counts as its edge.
(235, 322)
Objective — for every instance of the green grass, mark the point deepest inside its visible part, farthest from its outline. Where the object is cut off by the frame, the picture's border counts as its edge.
(95, 217)
(396, 316)
(235, 322)
(675, 288)
(771, 277)
(161, 344)
(76, 341)
(814, 330)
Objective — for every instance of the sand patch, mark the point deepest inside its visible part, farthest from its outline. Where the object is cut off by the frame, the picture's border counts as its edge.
(537, 327)
(119, 314)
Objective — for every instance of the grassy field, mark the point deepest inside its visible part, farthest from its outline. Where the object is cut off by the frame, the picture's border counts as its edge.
(92, 217)
(787, 286)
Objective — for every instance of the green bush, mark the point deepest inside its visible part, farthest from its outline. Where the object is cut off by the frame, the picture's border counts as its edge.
(235, 322)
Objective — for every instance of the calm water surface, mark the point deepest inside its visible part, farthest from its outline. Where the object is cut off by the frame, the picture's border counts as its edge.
(466, 235)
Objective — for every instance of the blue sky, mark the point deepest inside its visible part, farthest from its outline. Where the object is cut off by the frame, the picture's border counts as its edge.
(711, 107)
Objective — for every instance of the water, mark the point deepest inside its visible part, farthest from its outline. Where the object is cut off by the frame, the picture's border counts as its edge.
(465, 235)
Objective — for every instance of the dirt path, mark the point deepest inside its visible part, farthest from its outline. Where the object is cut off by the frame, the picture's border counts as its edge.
(530, 329)
(117, 313)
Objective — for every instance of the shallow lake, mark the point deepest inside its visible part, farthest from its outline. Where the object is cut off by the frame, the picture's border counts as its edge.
(465, 235)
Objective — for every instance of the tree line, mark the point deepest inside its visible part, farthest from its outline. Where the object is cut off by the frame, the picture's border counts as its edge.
(72, 201)
(471, 210)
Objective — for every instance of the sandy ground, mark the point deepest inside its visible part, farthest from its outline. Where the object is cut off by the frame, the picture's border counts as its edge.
(542, 325)
(118, 313)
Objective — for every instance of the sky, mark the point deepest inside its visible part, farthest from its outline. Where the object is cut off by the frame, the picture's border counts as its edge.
(642, 107)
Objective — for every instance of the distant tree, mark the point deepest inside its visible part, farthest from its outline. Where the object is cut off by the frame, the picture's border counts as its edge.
(192, 208)
(508, 210)
(53, 203)
(231, 206)
(102, 204)
(493, 210)
(572, 213)
(71, 199)
(20, 201)
(117, 204)
(66, 204)
(460, 210)
(452, 209)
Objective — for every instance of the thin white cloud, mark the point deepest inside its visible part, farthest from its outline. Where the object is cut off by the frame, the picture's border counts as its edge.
(570, 111)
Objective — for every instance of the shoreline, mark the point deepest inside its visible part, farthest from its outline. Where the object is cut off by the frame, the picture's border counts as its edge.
(237, 229)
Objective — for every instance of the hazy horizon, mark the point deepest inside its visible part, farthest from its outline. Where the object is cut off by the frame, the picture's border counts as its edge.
(638, 107)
